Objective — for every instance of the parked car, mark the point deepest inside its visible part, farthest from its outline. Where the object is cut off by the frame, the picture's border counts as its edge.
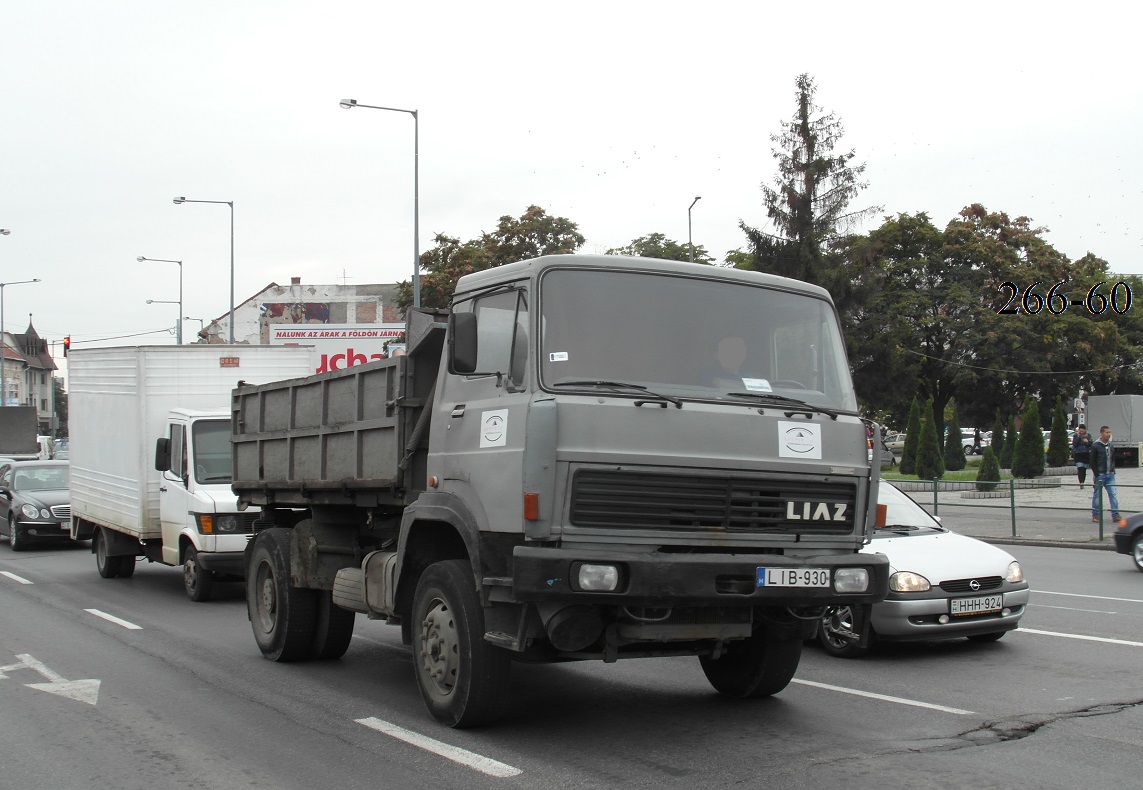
(1129, 539)
(34, 502)
(895, 442)
(942, 585)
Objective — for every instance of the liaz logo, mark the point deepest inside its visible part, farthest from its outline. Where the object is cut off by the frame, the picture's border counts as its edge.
(816, 511)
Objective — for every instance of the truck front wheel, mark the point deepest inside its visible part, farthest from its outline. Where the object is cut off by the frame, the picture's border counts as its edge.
(282, 616)
(756, 667)
(463, 679)
(197, 580)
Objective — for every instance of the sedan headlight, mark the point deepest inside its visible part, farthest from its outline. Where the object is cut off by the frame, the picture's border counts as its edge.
(30, 511)
(907, 581)
(1015, 573)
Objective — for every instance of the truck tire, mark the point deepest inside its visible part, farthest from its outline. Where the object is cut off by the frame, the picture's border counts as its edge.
(463, 679)
(841, 619)
(16, 542)
(197, 580)
(282, 616)
(333, 629)
(754, 667)
(108, 566)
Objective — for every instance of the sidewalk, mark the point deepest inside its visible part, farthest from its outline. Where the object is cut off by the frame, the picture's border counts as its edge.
(1050, 510)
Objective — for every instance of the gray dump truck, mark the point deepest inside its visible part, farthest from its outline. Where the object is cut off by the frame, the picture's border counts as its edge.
(586, 457)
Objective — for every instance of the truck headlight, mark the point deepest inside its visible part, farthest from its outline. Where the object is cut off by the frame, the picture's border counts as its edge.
(596, 578)
(851, 580)
(907, 581)
(1015, 573)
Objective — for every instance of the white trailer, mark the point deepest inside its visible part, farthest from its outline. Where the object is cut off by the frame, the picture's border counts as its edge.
(150, 463)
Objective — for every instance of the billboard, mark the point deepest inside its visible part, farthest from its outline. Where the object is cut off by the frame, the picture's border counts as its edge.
(339, 346)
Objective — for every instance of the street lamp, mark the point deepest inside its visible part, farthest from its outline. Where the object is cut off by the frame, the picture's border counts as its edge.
(179, 323)
(230, 203)
(179, 333)
(4, 343)
(201, 325)
(690, 243)
(349, 104)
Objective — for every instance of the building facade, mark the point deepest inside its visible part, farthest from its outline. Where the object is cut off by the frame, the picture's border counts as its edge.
(29, 373)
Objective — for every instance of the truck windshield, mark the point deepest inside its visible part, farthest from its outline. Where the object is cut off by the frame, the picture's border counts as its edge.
(212, 462)
(692, 338)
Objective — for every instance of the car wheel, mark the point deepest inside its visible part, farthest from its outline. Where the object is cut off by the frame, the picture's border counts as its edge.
(1137, 551)
(832, 634)
(462, 678)
(197, 580)
(755, 667)
(282, 615)
(994, 636)
(15, 540)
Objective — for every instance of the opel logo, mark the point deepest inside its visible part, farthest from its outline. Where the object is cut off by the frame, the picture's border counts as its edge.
(974, 584)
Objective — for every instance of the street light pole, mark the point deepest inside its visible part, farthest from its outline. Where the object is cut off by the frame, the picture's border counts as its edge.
(349, 104)
(179, 332)
(4, 343)
(230, 203)
(690, 243)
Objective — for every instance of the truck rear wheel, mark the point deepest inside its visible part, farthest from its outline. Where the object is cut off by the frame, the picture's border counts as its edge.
(110, 566)
(754, 667)
(197, 580)
(463, 679)
(281, 615)
(334, 628)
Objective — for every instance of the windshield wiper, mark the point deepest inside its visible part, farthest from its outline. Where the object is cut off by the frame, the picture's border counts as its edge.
(623, 385)
(802, 406)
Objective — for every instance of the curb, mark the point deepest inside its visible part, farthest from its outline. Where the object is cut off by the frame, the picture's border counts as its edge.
(1046, 543)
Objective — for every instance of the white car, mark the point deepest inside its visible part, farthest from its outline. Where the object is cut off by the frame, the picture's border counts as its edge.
(941, 586)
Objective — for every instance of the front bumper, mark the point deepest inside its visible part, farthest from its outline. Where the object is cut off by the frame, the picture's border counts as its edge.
(1123, 541)
(661, 578)
(45, 529)
(900, 619)
(228, 562)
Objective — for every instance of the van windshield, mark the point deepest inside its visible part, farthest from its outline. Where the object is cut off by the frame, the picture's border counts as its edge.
(691, 338)
(212, 462)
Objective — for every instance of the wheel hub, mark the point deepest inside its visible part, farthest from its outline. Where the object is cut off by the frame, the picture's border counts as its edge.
(439, 648)
(266, 598)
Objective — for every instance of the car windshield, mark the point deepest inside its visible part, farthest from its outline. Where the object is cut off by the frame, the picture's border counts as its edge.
(212, 462)
(41, 478)
(902, 513)
(689, 338)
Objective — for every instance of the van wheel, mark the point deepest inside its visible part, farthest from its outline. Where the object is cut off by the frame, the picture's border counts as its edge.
(197, 580)
(756, 667)
(282, 615)
(334, 628)
(463, 679)
(107, 565)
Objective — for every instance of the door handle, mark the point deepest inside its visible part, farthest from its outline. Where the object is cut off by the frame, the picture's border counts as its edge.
(458, 410)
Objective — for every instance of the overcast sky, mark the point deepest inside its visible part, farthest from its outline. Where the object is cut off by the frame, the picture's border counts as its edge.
(615, 115)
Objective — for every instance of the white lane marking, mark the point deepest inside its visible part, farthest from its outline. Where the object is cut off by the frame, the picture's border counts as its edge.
(477, 762)
(884, 697)
(86, 690)
(1071, 608)
(113, 619)
(14, 577)
(1079, 595)
(1079, 636)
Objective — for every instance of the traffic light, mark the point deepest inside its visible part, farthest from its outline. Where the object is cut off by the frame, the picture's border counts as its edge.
(67, 344)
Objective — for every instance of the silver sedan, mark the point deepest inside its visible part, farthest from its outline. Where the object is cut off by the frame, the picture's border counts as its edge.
(941, 586)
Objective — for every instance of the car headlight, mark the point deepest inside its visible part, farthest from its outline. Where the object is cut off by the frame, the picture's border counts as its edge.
(907, 581)
(1015, 573)
(30, 511)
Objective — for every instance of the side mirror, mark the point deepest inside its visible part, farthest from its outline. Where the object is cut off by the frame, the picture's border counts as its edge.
(163, 454)
(462, 343)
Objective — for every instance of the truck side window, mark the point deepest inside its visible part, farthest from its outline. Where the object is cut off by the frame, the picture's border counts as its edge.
(502, 321)
(178, 451)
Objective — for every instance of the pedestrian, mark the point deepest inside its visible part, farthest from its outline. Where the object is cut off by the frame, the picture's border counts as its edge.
(976, 442)
(1103, 472)
(1081, 451)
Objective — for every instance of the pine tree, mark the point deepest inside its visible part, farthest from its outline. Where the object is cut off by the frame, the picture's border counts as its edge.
(912, 438)
(1059, 449)
(1028, 460)
(954, 449)
(1011, 439)
(930, 465)
(989, 471)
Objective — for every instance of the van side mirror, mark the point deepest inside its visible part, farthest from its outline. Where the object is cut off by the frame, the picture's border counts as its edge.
(462, 343)
(163, 454)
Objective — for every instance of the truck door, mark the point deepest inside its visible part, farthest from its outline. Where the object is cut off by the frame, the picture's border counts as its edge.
(174, 496)
(481, 417)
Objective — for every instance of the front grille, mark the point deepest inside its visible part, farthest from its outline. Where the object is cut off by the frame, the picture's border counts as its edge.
(638, 500)
(965, 585)
(61, 512)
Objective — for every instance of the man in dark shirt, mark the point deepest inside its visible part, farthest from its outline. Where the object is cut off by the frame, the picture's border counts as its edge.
(1103, 469)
